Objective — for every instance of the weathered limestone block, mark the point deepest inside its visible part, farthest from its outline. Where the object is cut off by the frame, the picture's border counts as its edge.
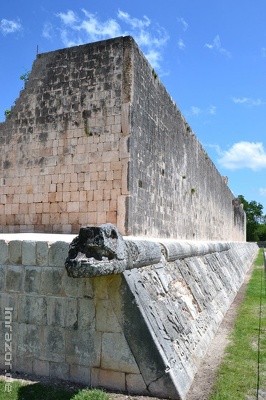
(32, 281)
(10, 301)
(57, 253)
(32, 310)
(40, 367)
(106, 320)
(2, 277)
(14, 278)
(61, 311)
(83, 347)
(22, 363)
(108, 379)
(136, 384)
(80, 374)
(15, 253)
(51, 281)
(28, 341)
(42, 249)
(28, 252)
(59, 370)
(86, 313)
(3, 252)
(116, 354)
(52, 343)
(76, 289)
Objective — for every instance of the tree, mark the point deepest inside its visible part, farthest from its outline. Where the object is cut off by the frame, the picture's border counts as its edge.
(256, 226)
(261, 233)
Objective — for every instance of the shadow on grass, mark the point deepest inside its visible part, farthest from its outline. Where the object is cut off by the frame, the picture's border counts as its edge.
(38, 391)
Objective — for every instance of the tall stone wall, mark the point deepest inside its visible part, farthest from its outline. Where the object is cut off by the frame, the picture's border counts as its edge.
(95, 138)
(62, 151)
(177, 189)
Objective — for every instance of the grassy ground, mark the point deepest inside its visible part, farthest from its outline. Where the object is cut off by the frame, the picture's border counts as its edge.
(242, 374)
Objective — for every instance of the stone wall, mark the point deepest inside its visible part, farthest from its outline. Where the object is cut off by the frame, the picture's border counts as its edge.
(143, 331)
(177, 189)
(61, 327)
(95, 138)
(63, 154)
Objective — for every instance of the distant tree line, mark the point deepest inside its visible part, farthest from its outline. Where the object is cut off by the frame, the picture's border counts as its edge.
(255, 219)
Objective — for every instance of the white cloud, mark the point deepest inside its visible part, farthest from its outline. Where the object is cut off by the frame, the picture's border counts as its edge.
(263, 52)
(244, 155)
(217, 46)
(248, 101)
(262, 192)
(212, 110)
(96, 29)
(216, 147)
(47, 31)
(76, 30)
(68, 18)
(196, 111)
(89, 27)
(184, 23)
(8, 26)
(150, 38)
(134, 22)
(181, 44)
(143, 38)
(69, 41)
(154, 58)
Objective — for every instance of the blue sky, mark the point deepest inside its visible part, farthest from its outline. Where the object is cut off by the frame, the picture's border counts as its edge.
(210, 55)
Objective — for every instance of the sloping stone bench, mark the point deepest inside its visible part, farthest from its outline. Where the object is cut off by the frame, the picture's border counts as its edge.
(127, 314)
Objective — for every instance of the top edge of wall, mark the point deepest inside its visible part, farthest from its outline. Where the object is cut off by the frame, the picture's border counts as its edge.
(79, 47)
(37, 237)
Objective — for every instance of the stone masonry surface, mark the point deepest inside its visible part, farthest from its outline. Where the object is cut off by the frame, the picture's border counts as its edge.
(143, 331)
(63, 155)
(95, 138)
(176, 190)
(62, 328)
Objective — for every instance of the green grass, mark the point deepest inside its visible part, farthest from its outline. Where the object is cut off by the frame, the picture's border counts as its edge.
(259, 260)
(242, 374)
(37, 391)
(95, 394)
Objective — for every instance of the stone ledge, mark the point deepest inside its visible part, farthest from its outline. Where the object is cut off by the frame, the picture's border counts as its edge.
(102, 250)
(40, 249)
